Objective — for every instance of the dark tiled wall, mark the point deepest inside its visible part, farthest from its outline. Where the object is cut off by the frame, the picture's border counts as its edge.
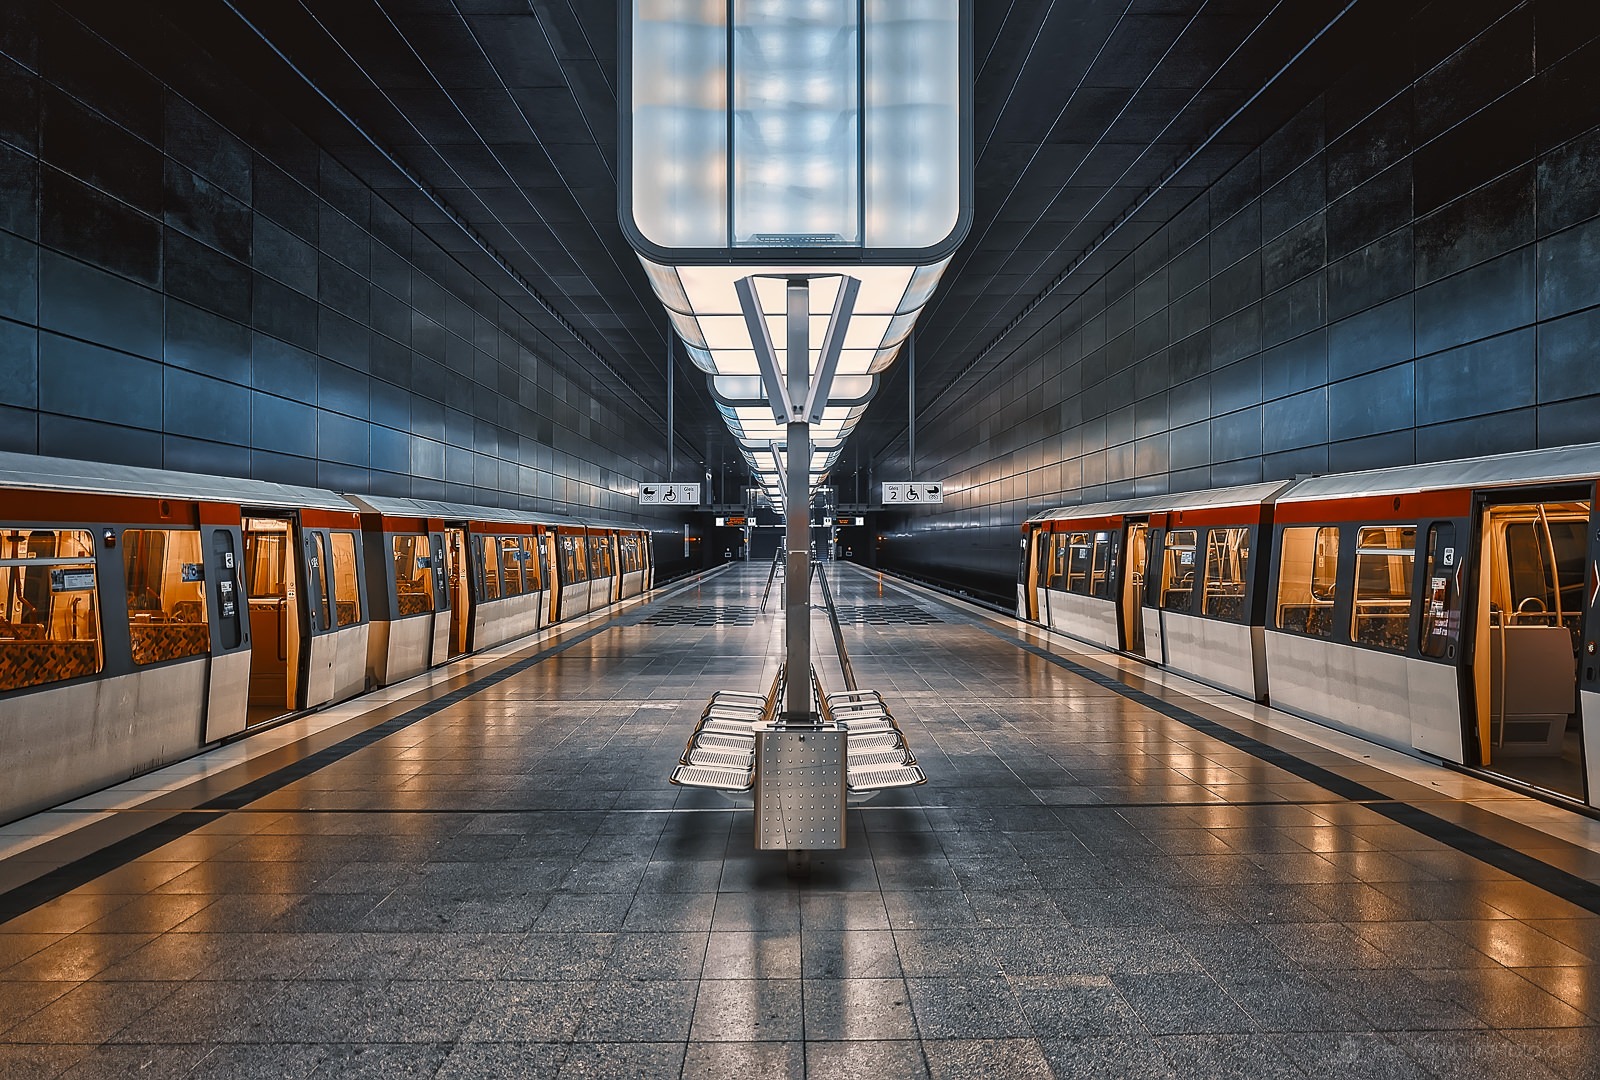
(1407, 271)
(179, 295)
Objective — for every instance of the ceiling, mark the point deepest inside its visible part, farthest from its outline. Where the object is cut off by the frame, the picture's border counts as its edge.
(491, 124)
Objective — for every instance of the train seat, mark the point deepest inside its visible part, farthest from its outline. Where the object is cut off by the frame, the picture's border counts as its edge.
(1533, 673)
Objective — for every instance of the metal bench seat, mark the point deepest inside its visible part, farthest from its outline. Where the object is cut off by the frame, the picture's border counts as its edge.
(881, 777)
(718, 777)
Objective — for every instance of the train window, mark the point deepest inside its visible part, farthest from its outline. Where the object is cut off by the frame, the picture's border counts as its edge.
(166, 594)
(1381, 616)
(574, 562)
(1306, 579)
(1103, 565)
(413, 582)
(600, 556)
(49, 620)
(265, 543)
(319, 577)
(1078, 556)
(1441, 615)
(1177, 570)
(511, 565)
(489, 569)
(346, 582)
(1227, 574)
(531, 578)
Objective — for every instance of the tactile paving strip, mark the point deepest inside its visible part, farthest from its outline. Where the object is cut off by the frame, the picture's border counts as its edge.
(685, 615)
(887, 615)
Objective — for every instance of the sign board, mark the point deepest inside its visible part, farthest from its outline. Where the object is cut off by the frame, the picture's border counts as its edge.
(669, 494)
(898, 494)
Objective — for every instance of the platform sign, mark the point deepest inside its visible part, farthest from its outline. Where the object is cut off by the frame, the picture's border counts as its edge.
(669, 494)
(898, 494)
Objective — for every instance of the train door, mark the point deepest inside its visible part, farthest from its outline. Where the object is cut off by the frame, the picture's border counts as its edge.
(1529, 617)
(552, 573)
(1589, 659)
(1150, 616)
(1028, 575)
(455, 543)
(276, 612)
(1134, 547)
(443, 606)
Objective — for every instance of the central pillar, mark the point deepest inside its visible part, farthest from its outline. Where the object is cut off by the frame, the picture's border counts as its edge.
(797, 503)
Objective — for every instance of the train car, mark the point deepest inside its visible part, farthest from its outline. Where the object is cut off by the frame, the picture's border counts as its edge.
(144, 614)
(1085, 570)
(1449, 608)
(635, 570)
(449, 578)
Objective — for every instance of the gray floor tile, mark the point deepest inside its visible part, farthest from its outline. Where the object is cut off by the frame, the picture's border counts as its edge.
(857, 1009)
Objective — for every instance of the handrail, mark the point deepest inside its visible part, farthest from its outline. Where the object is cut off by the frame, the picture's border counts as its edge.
(838, 635)
(776, 556)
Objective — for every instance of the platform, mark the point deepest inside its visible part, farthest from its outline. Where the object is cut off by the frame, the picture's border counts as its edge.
(1111, 873)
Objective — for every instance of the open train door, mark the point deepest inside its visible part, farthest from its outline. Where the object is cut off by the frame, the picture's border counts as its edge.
(460, 585)
(1028, 575)
(1135, 545)
(1589, 658)
(1530, 628)
(276, 604)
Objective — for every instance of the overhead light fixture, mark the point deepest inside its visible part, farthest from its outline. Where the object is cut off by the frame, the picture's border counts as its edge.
(795, 177)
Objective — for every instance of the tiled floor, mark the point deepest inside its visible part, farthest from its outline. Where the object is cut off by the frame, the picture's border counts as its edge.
(487, 875)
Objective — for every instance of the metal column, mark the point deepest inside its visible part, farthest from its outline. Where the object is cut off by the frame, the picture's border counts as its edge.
(797, 504)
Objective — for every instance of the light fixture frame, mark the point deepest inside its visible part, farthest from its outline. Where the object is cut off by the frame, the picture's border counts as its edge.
(818, 255)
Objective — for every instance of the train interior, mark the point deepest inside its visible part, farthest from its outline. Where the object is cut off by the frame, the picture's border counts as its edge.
(1533, 576)
(455, 543)
(274, 618)
(48, 618)
(164, 573)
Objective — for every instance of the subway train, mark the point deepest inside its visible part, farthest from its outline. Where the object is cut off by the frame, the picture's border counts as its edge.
(146, 614)
(1449, 610)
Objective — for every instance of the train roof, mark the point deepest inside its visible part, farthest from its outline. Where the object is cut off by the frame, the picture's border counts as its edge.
(1555, 465)
(35, 473)
(1243, 495)
(393, 506)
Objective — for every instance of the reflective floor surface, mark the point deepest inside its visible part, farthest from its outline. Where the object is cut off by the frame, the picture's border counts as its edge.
(1104, 877)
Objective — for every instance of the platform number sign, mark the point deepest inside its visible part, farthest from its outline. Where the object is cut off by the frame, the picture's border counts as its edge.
(669, 494)
(908, 494)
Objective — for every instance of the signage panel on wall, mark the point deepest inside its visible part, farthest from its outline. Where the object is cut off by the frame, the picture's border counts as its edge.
(669, 494)
(906, 494)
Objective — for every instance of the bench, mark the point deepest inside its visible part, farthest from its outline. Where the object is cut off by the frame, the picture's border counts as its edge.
(721, 752)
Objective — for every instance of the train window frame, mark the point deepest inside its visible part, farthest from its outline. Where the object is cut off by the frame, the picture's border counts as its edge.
(1328, 604)
(344, 571)
(488, 568)
(1079, 549)
(511, 578)
(413, 560)
(1393, 633)
(1168, 550)
(1106, 549)
(1234, 537)
(177, 626)
(319, 583)
(532, 565)
(84, 662)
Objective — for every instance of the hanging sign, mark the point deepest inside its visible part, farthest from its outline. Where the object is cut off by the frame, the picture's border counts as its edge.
(669, 494)
(898, 494)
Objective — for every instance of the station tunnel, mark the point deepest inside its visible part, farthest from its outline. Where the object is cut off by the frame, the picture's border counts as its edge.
(1154, 635)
